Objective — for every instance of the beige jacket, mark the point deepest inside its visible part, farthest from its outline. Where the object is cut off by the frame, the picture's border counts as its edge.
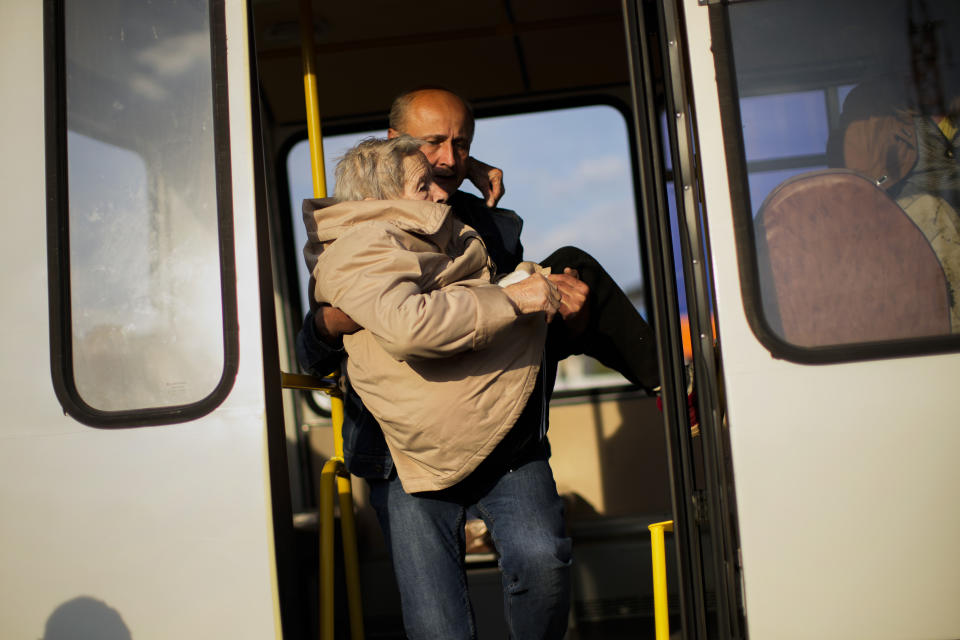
(444, 362)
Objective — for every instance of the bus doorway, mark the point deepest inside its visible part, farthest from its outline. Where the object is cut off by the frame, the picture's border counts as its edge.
(608, 441)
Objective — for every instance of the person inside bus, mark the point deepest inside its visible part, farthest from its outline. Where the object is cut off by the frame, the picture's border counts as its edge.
(903, 135)
(449, 366)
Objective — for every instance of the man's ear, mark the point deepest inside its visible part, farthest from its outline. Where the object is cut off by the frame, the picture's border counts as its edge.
(392, 133)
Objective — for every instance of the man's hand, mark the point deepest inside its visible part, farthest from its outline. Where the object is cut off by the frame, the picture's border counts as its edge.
(489, 180)
(332, 324)
(573, 299)
(534, 293)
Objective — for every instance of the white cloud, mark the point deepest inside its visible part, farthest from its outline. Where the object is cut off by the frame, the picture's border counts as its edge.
(169, 58)
(173, 55)
(601, 169)
(604, 230)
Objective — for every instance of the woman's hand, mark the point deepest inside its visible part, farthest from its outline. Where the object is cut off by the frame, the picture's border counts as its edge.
(534, 294)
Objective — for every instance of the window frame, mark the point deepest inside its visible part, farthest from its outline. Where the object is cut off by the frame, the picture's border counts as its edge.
(746, 247)
(58, 246)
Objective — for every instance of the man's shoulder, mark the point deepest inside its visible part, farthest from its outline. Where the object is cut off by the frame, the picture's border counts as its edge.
(499, 228)
(464, 199)
(467, 205)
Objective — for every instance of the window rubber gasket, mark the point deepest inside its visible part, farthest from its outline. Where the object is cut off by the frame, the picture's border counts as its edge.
(746, 247)
(58, 248)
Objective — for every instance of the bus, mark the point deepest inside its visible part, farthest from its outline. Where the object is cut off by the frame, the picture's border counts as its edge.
(773, 181)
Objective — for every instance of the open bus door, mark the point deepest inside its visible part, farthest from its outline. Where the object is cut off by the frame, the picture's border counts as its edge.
(703, 513)
(826, 477)
(560, 69)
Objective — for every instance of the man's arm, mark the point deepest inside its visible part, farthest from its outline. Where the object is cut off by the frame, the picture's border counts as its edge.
(319, 343)
(489, 180)
(314, 355)
(331, 324)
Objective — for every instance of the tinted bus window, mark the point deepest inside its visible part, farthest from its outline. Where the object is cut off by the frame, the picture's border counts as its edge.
(849, 125)
(146, 321)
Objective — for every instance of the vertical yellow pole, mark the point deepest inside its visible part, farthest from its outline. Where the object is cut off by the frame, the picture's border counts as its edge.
(659, 562)
(334, 470)
(312, 102)
(351, 556)
(351, 561)
(325, 527)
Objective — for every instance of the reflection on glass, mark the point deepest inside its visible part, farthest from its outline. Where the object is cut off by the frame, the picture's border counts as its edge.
(779, 125)
(763, 182)
(144, 252)
(870, 249)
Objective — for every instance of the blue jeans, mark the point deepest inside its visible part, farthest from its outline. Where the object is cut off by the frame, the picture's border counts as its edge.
(518, 500)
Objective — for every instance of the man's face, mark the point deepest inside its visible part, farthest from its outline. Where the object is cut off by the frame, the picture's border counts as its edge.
(441, 120)
(418, 182)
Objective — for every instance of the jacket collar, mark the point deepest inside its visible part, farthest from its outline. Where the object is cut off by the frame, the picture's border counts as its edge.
(332, 218)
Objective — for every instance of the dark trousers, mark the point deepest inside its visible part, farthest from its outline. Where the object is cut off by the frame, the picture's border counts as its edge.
(616, 333)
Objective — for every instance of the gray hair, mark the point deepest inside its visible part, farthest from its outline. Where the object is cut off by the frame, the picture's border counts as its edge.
(374, 168)
(398, 110)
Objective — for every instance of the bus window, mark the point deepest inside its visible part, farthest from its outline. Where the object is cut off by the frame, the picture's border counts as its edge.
(141, 285)
(567, 173)
(848, 114)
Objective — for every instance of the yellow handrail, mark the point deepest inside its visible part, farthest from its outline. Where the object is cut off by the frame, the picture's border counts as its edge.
(658, 558)
(335, 472)
(306, 383)
(334, 468)
(312, 102)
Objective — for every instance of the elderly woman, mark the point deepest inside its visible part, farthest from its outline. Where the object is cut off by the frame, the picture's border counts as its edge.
(447, 360)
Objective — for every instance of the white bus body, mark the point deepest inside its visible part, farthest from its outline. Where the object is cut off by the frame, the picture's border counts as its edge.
(835, 490)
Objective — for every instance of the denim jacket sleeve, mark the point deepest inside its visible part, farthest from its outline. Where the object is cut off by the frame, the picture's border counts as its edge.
(314, 355)
(365, 450)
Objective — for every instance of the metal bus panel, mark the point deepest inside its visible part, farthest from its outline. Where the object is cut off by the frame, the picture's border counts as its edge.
(846, 477)
(143, 532)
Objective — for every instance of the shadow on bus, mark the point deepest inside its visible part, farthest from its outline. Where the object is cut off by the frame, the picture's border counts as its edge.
(85, 617)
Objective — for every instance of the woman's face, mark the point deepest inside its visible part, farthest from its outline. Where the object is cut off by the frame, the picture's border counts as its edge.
(418, 181)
